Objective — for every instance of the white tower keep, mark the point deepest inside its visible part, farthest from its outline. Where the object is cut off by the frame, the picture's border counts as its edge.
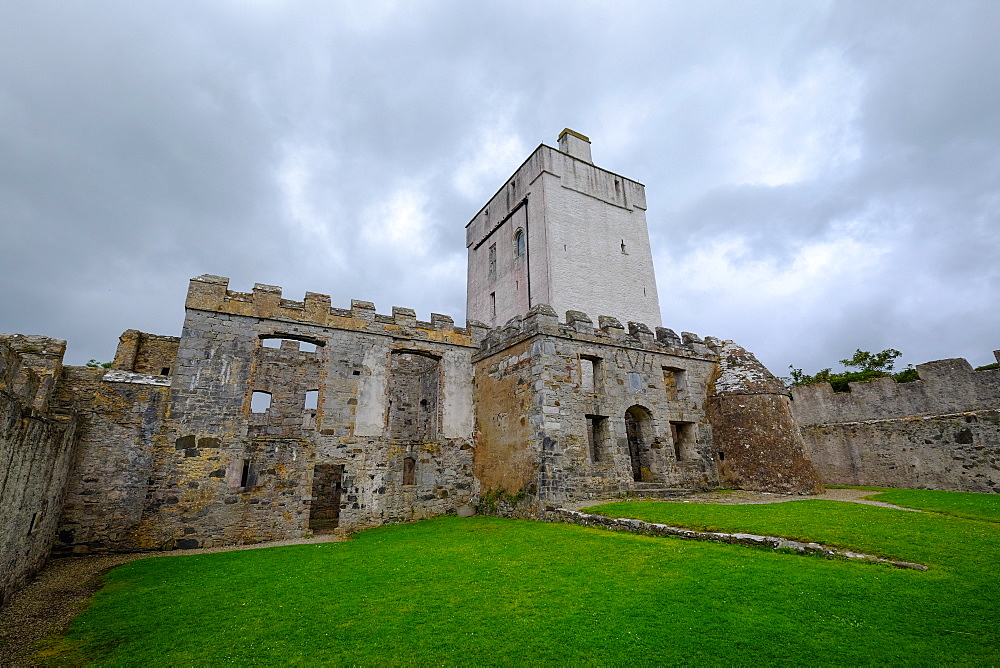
(566, 233)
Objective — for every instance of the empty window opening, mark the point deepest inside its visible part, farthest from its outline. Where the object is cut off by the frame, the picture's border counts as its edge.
(590, 372)
(597, 426)
(493, 261)
(722, 456)
(618, 187)
(517, 285)
(635, 381)
(165, 371)
(312, 400)
(327, 486)
(260, 402)
(684, 439)
(245, 473)
(493, 305)
(639, 432)
(414, 381)
(409, 470)
(519, 243)
(301, 344)
(623, 248)
(673, 381)
(356, 373)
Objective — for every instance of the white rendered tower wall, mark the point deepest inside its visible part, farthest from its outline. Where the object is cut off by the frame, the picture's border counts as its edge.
(566, 233)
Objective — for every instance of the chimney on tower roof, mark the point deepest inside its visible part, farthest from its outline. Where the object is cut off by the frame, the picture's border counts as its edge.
(576, 144)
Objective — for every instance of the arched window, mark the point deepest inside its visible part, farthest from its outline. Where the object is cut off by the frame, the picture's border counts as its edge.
(519, 243)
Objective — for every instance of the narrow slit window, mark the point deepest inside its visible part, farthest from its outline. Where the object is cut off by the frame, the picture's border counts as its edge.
(245, 473)
(312, 400)
(260, 402)
(493, 261)
(493, 304)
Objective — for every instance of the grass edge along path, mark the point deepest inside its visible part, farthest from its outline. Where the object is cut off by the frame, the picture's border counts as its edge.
(507, 592)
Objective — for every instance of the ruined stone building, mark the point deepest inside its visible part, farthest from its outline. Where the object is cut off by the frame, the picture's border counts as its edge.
(269, 418)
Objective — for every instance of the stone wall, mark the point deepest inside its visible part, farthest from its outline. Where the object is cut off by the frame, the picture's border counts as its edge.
(36, 447)
(121, 420)
(940, 432)
(268, 403)
(567, 411)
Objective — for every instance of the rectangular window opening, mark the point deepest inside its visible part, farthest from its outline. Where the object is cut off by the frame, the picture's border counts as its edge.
(685, 441)
(493, 304)
(306, 347)
(312, 400)
(245, 474)
(260, 402)
(409, 470)
(165, 371)
(493, 261)
(674, 383)
(596, 427)
(590, 373)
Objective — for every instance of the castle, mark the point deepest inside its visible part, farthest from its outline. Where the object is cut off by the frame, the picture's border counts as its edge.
(269, 418)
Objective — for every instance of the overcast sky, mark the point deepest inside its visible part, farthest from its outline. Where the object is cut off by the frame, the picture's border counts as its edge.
(821, 176)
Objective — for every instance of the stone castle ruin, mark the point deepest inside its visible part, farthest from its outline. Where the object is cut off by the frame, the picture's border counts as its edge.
(269, 418)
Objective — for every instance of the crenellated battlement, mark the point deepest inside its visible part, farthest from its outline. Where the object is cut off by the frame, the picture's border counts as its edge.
(542, 319)
(212, 293)
(945, 386)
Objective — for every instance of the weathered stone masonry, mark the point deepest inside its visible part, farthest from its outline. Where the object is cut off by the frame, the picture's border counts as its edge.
(187, 462)
(940, 432)
(36, 448)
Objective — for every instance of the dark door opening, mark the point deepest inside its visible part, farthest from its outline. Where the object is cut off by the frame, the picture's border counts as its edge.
(324, 513)
(638, 429)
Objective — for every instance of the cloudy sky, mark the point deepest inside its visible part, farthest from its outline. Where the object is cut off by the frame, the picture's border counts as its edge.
(821, 176)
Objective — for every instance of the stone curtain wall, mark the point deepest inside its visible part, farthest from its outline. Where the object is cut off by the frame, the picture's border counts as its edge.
(940, 432)
(36, 448)
(121, 421)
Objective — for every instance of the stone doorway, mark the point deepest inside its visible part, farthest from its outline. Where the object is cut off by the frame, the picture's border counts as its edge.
(324, 513)
(639, 430)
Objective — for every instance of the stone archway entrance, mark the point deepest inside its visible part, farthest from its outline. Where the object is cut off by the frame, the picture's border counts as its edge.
(639, 430)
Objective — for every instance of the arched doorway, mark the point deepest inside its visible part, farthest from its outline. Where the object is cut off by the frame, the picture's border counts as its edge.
(639, 430)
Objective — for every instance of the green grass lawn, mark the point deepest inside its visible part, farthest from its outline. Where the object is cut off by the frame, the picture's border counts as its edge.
(485, 591)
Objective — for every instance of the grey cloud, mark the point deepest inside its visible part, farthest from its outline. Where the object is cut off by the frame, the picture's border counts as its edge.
(142, 146)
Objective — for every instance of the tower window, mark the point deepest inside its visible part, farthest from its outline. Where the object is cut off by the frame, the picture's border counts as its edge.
(493, 261)
(623, 248)
(519, 243)
(493, 304)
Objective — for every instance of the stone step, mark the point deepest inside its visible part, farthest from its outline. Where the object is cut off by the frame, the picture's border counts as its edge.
(660, 490)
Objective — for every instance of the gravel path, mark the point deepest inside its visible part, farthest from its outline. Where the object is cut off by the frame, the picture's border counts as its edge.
(61, 590)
